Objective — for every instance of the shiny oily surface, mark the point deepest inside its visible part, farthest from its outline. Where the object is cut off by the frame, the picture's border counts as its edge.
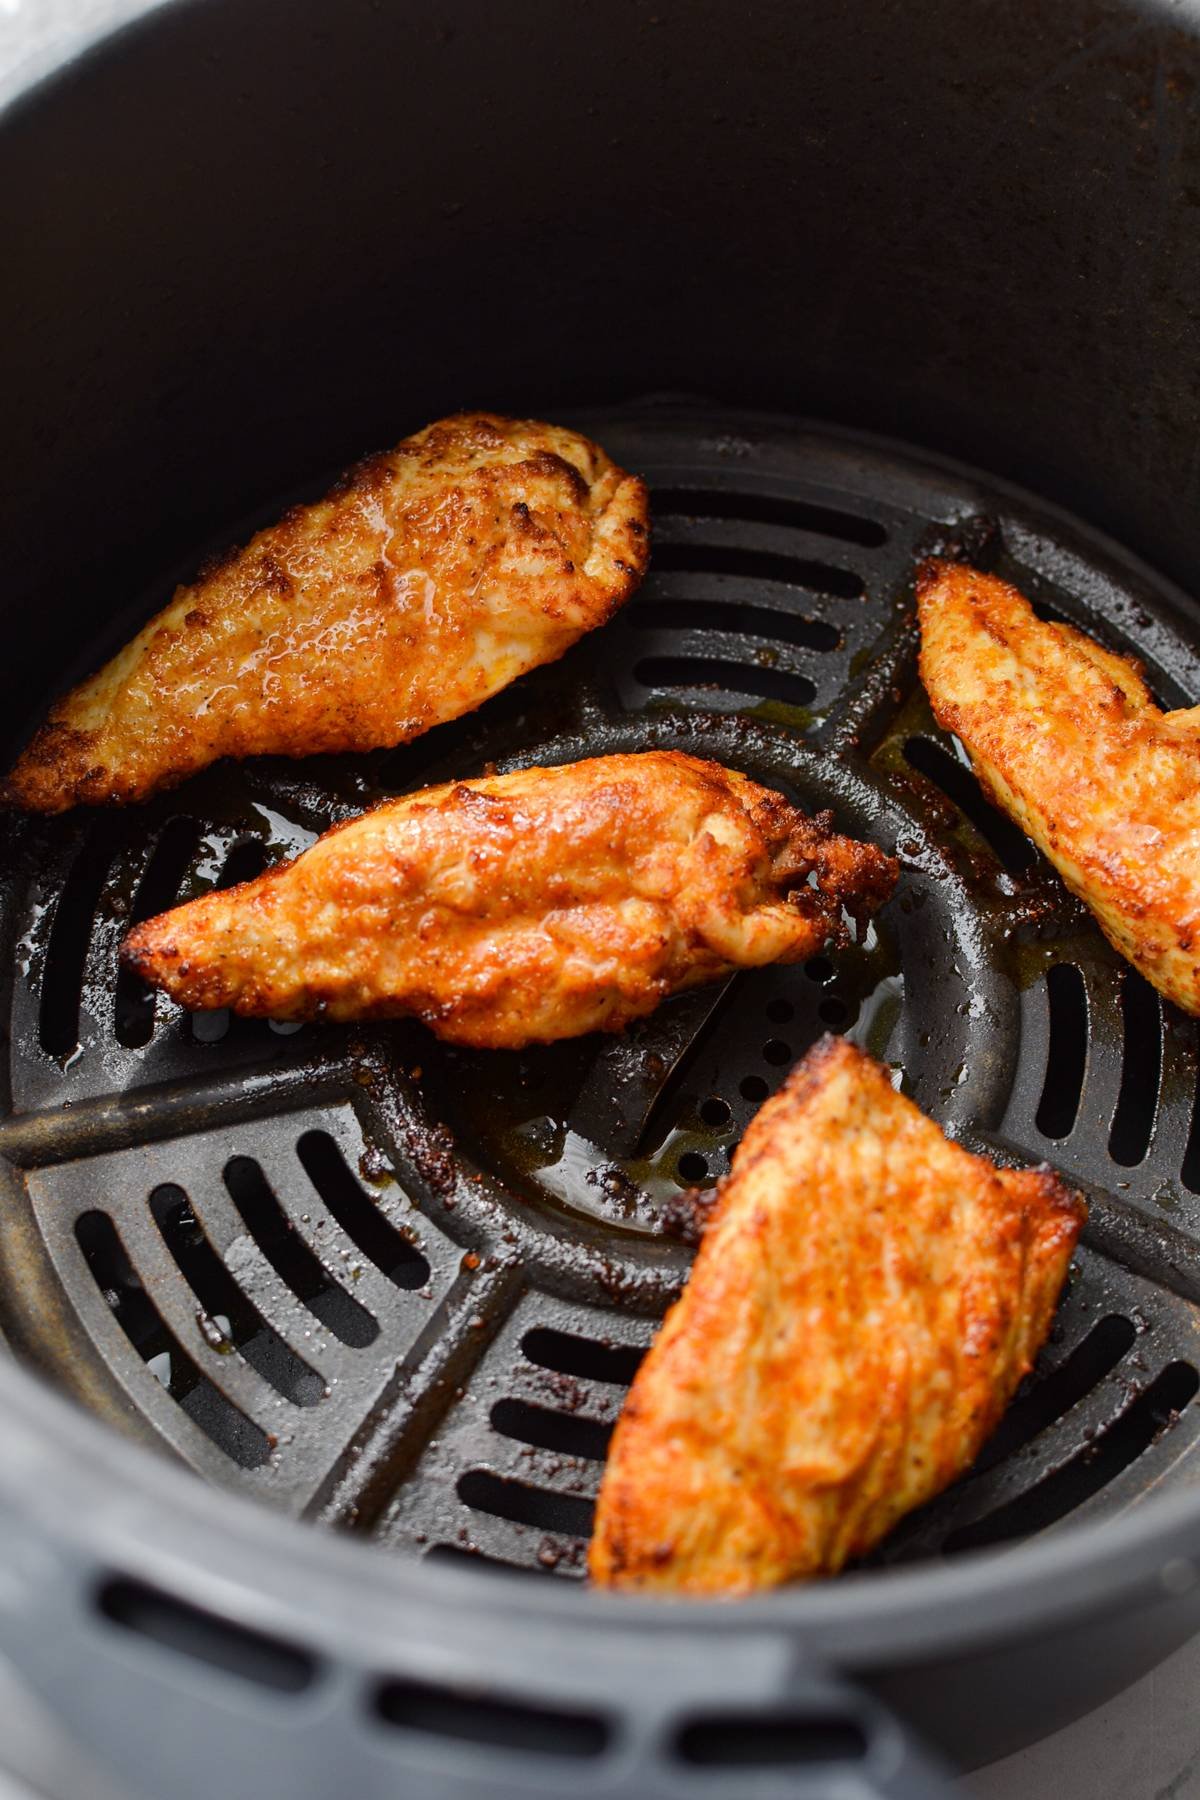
(525, 908)
(1068, 742)
(865, 1299)
(424, 581)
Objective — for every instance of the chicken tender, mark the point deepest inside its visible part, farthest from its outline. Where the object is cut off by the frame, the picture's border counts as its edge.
(523, 908)
(1066, 739)
(427, 579)
(863, 1304)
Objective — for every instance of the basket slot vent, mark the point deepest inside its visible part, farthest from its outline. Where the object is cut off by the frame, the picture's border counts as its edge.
(480, 1559)
(1190, 1173)
(738, 1741)
(549, 1430)
(1055, 1393)
(358, 1215)
(757, 565)
(159, 1349)
(236, 1649)
(1066, 1057)
(504, 1498)
(172, 857)
(449, 749)
(1141, 1071)
(1090, 1469)
(211, 1027)
(717, 1113)
(566, 1354)
(750, 621)
(960, 786)
(70, 935)
(292, 1259)
(220, 1297)
(731, 677)
(768, 509)
(471, 1717)
(243, 861)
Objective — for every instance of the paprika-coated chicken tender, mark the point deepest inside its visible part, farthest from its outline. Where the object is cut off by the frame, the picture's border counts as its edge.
(864, 1302)
(426, 580)
(1066, 739)
(522, 908)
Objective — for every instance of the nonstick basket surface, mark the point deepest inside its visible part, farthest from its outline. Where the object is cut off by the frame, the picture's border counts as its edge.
(402, 1289)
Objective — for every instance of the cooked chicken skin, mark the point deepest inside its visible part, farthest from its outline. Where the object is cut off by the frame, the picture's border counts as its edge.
(864, 1301)
(522, 908)
(1065, 737)
(427, 579)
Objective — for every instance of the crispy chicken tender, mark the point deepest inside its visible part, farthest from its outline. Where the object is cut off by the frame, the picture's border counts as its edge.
(522, 908)
(864, 1301)
(1067, 740)
(428, 578)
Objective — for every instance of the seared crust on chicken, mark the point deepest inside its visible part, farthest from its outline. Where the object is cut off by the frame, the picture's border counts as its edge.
(427, 579)
(1067, 740)
(862, 1306)
(522, 908)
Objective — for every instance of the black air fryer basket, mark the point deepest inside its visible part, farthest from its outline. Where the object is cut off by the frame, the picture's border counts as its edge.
(811, 270)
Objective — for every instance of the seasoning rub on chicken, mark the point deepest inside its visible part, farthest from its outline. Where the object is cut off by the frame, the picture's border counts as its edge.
(522, 908)
(1065, 737)
(426, 580)
(864, 1302)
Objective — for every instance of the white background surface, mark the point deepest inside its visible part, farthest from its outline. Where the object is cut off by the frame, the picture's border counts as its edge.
(1144, 1745)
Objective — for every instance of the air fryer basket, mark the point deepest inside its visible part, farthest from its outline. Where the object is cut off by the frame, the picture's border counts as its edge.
(363, 1280)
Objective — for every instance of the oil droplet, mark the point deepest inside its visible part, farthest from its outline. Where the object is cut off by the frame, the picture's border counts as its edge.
(215, 1332)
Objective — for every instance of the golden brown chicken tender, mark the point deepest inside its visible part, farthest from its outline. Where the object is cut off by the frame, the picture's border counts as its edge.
(1066, 738)
(427, 579)
(865, 1300)
(522, 908)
